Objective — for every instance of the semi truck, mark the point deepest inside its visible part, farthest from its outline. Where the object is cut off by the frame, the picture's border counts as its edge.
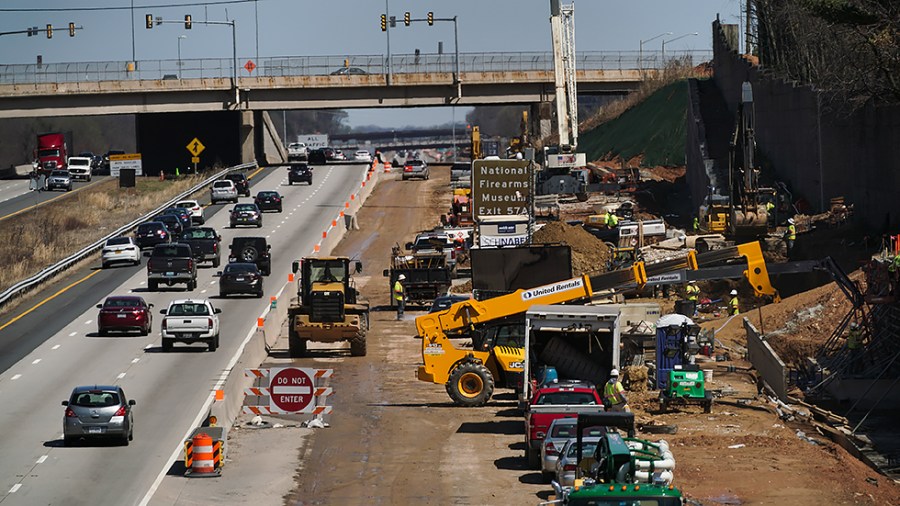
(52, 151)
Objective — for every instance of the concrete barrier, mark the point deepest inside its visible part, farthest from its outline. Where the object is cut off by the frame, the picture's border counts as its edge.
(766, 361)
(271, 321)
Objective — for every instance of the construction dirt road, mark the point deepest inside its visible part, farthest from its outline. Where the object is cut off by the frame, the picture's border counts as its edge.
(395, 440)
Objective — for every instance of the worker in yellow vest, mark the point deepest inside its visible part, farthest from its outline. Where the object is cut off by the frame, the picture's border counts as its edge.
(614, 394)
(770, 213)
(790, 235)
(400, 295)
(733, 304)
(696, 225)
(693, 294)
(612, 221)
(854, 346)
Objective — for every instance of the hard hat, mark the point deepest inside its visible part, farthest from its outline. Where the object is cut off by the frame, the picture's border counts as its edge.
(791, 221)
(854, 325)
(734, 292)
(692, 282)
(614, 373)
(401, 277)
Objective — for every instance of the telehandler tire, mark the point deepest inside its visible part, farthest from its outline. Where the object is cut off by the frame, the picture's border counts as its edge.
(571, 363)
(358, 344)
(470, 385)
(296, 346)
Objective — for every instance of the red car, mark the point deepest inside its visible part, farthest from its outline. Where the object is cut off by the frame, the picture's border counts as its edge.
(124, 313)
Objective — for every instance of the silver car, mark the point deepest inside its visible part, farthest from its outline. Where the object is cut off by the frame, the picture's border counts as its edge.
(415, 168)
(98, 412)
(559, 432)
(566, 465)
(223, 190)
(59, 180)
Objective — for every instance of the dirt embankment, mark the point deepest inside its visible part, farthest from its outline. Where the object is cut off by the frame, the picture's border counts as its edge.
(589, 254)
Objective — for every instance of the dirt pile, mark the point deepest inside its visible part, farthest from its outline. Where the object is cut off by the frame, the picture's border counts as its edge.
(589, 254)
(636, 377)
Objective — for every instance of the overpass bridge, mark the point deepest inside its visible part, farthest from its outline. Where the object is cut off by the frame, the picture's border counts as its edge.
(183, 99)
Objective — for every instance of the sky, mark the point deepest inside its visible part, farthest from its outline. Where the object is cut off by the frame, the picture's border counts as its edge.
(348, 27)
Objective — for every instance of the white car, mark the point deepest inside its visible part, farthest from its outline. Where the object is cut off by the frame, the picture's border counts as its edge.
(362, 156)
(79, 167)
(223, 190)
(190, 321)
(297, 150)
(120, 249)
(196, 210)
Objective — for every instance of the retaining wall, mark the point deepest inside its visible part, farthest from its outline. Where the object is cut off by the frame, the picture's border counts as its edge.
(766, 361)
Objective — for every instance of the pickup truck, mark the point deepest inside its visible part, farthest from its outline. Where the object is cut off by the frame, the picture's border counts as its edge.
(427, 275)
(204, 243)
(169, 264)
(557, 400)
(190, 321)
(434, 241)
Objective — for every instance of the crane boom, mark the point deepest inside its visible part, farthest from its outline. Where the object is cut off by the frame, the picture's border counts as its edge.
(562, 32)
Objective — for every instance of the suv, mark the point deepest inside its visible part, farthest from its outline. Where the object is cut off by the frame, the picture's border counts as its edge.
(151, 233)
(297, 151)
(240, 182)
(252, 250)
(223, 190)
(59, 179)
(299, 173)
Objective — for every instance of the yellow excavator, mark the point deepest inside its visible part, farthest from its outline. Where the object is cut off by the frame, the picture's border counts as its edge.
(495, 325)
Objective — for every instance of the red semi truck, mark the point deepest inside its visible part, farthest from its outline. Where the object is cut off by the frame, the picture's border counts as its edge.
(52, 151)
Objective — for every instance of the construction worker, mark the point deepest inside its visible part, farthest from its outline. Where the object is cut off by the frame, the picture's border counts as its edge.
(614, 394)
(693, 294)
(790, 235)
(733, 304)
(770, 212)
(612, 221)
(854, 346)
(696, 225)
(400, 295)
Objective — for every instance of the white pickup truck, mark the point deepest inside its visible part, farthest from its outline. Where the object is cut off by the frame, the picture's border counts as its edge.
(190, 321)
(297, 151)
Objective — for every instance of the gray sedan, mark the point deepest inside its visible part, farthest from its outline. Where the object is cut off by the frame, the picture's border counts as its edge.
(415, 168)
(566, 465)
(559, 432)
(98, 412)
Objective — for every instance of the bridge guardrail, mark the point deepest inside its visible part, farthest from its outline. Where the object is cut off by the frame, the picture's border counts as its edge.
(67, 262)
(306, 66)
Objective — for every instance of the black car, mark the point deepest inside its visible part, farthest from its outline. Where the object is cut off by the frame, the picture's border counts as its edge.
(173, 223)
(300, 173)
(240, 277)
(349, 71)
(268, 201)
(151, 233)
(204, 243)
(253, 250)
(317, 157)
(240, 182)
(445, 301)
(246, 214)
(184, 214)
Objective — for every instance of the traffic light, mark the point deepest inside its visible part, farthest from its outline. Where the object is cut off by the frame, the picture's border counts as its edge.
(71, 29)
(406, 19)
(430, 18)
(384, 22)
(49, 31)
(149, 18)
(187, 21)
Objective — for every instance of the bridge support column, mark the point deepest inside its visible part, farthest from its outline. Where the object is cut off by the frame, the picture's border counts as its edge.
(247, 137)
(541, 115)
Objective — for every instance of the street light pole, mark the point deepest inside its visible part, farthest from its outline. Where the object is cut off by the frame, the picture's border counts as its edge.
(641, 49)
(456, 50)
(387, 14)
(180, 37)
(132, 31)
(673, 40)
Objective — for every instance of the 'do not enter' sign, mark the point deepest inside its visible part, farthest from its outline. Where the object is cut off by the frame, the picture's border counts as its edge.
(291, 389)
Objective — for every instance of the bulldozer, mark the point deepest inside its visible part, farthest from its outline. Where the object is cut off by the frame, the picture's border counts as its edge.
(328, 307)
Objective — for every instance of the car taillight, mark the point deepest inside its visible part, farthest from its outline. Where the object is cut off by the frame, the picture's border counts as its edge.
(209, 322)
(120, 411)
(70, 413)
(408, 168)
(164, 324)
(277, 199)
(550, 449)
(215, 247)
(138, 313)
(161, 233)
(190, 263)
(569, 467)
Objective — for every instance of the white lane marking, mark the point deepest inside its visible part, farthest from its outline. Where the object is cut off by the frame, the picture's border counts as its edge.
(15, 488)
(89, 322)
(42, 459)
(55, 347)
(142, 283)
(268, 236)
(73, 334)
(277, 226)
(204, 290)
(36, 361)
(148, 346)
(121, 375)
(220, 383)
(17, 376)
(212, 282)
(135, 360)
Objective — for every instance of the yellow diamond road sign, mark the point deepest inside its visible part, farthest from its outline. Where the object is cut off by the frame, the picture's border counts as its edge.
(195, 147)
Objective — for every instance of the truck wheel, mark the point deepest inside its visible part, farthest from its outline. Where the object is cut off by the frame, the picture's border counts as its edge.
(167, 344)
(152, 285)
(249, 254)
(192, 285)
(533, 457)
(358, 343)
(571, 363)
(470, 385)
(296, 346)
(217, 261)
(214, 343)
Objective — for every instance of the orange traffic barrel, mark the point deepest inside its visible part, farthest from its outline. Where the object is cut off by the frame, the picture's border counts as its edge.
(387, 166)
(203, 461)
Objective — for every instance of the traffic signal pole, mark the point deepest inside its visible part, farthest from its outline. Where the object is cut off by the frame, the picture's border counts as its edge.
(430, 20)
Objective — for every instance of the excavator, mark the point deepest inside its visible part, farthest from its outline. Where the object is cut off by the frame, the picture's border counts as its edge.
(496, 357)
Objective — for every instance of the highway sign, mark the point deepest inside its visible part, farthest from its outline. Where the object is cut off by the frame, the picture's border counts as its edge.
(250, 66)
(314, 141)
(291, 389)
(195, 159)
(501, 187)
(195, 147)
(126, 161)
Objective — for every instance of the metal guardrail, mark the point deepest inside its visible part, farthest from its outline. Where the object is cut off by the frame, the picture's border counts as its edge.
(305, 66)
(67, 262)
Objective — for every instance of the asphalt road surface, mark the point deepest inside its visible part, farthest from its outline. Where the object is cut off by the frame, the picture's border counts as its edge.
(16, 197)
(55, 348)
